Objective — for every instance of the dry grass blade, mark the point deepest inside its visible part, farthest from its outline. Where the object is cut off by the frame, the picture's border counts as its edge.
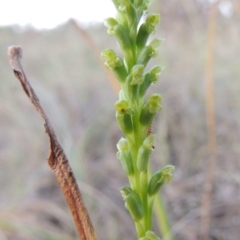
(97, 53)
(211, 125)
(57, 159)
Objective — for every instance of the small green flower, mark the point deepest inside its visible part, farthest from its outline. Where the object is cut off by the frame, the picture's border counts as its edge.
(123, 116)
(122, 106)
(129, 10)
(144, 153)
(124, 41)
(154, 73)
(114, 63)
(122, 144)
(133, 203)
(125, 157)
(149, 110)
(148, 52)
(149, 78)
(154, 103)
(159, 179)
(136, 75)
(110, 23)
(146, 29)
(111, 58)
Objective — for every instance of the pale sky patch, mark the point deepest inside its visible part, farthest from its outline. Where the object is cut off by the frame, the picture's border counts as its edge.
(50, 13)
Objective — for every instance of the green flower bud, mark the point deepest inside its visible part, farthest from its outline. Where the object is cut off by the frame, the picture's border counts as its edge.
(123, 116)
(149, 141)
(143, 157)
(110, 23)
(125, 156)
(122, 36)
(122, 19)
(156, 42)
(138, 3)
(151, 22)
(154, 103)
(114, 63)
(115, 2)
(146, 29)
(149, 78)
(150, 235)
(146, 117)
(126, 160)
(159, 179)
(128, 8)
(136, 75)
(125, 191)
(133, 203)
(154, 73)
(146, 4)
(111, 58)
(144, 153)
(150, 108)
(122, 144)
(148, 52)
(127, 126)
(121, 106)
(143, 7)
(124, 41)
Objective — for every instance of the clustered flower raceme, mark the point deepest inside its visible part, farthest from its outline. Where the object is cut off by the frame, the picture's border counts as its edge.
(135, 114)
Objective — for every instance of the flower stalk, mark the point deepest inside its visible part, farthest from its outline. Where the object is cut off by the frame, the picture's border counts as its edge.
(135, 113)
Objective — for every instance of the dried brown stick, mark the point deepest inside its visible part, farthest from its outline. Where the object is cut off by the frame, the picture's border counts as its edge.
(57, 159)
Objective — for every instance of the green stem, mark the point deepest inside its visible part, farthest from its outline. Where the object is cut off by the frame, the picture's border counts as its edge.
(139, 229)
(134, 152)
(162, 218)
(144, 197)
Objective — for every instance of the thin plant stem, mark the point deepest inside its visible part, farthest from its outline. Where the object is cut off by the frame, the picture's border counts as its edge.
(211, 125)
(162, 217)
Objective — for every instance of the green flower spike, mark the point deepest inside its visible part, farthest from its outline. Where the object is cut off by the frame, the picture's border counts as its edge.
(135, 113)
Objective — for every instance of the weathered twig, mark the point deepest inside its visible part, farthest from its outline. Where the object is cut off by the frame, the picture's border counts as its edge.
(57, 159)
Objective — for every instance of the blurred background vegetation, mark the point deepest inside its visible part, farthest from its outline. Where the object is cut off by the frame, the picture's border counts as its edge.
(201, 107)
